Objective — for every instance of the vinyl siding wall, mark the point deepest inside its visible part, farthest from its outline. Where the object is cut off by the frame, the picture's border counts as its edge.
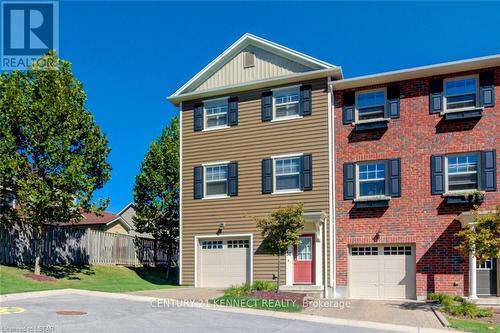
(248, 143)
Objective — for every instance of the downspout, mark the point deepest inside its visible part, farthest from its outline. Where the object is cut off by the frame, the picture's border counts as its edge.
(325, 259)
(331, 189)
(180, 193)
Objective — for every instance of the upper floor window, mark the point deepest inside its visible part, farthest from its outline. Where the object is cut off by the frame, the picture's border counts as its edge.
(462, 172)
(216, 180)
(215, 113)
(460, 93)
(372, 179)
(287, 174)
(370, 105)
(286, 103)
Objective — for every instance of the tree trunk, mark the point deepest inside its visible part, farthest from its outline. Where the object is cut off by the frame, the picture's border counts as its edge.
(279, 274)
(38, 249)
(169, 259)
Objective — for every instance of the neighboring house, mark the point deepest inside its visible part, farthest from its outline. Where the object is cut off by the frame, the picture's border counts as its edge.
(108, 222)
(410, 146)
(263, 126)
(127, 214)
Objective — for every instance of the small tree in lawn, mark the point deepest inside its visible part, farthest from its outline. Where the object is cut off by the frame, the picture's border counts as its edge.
(52, 153)
(483, 237)
(156, 191)
(281, 229)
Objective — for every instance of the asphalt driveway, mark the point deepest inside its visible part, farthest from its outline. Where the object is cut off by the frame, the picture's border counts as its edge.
(83, 313)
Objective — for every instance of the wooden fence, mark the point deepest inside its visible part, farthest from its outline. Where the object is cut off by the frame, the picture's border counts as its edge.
(77, 247)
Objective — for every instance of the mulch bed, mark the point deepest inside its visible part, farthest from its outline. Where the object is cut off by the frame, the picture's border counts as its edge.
(298, 298)
(41, 277)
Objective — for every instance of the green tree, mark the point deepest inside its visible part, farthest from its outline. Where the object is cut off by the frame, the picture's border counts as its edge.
(482, 237)
(53, 156)
(156, 191)
(281, 229)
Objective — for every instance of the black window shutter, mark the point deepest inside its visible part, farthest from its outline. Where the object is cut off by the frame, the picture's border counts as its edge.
(488, 171)
(198, 182)
(198, 117)
(232, 111)
(267, 176)
(436, 96)
(306, 172)
(305, 100)
(267, 106)
(487, 89)
(437, 174)
(393, 101)
(232, 178)
(395, 177)
(348, 110)
(349, 181)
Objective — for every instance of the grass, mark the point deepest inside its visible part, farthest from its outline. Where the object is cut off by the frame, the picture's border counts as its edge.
(99, 278)
(257, 303)
(473, 326)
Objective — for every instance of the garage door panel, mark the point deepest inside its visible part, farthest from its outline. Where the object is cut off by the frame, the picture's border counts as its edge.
(223, 263)
(388, 274)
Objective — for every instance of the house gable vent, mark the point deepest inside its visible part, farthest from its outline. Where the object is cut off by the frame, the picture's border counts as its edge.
(248, 59)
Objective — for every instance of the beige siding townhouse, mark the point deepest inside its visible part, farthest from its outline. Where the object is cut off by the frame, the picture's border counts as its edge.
(254, 131)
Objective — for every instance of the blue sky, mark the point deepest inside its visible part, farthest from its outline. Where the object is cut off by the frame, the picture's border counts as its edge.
(131, 55)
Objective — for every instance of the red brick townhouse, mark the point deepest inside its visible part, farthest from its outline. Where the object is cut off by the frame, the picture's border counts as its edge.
(409, 148)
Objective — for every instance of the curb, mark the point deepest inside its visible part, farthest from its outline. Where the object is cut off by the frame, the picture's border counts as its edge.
(211, 307)
(442, 319)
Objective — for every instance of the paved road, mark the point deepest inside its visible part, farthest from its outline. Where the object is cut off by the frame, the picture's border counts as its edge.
(119, 315)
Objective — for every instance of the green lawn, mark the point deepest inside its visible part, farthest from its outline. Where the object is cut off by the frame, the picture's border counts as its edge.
(100, 278)
(257, 303)
(473, 326)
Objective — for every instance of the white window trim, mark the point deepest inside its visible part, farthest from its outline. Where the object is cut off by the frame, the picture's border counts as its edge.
(482, 268)
(447, 192)
(356, 111)
(298, 116)
(290, 191)
(456, 78)
(372, 197)
(214, 128)
(213, 196)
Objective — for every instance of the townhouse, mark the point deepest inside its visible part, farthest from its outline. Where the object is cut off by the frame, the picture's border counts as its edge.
(386, 166)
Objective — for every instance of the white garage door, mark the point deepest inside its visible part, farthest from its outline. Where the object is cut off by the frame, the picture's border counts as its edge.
(223, 263)
(382, 272)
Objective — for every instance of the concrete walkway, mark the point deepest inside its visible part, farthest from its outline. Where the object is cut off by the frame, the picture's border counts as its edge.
(411, 313)
(418, 314)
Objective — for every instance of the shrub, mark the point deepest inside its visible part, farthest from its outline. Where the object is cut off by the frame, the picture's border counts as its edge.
(247, 288)
(264, 286)
(458, 306)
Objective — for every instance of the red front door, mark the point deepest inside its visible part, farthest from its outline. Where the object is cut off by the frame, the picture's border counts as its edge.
(303, 260)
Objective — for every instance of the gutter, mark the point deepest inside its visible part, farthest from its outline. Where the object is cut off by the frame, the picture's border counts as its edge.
(331, 188)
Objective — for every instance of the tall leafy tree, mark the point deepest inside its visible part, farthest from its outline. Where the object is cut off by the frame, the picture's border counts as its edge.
(483, 237)
(281, 229)
(53, 156)
(156, 191)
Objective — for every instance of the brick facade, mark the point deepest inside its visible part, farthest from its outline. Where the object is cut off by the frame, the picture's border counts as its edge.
(417, 217)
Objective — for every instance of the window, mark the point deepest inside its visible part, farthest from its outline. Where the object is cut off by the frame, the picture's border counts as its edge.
(484, 264)
(370, 105)
(211, 244)
(287, 174)
(238, 244)
(397, 250)
(364, 251)
(462, 172)
(286, 103)
(460, 93)
(304, 249)
(372, 179)
(216, 180)
(215, 113)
